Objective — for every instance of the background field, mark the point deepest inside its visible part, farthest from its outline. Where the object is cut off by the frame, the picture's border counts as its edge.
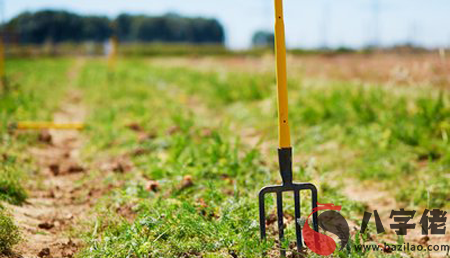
(175, 150)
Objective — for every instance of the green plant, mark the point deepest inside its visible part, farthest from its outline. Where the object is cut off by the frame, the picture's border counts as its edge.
(9, 232)
(11, 189)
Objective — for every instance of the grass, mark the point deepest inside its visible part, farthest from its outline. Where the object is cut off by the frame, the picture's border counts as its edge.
(215, 86)
(215, 213)
(184, 130)
(395, 138)
(27, 98)
(193, 214)
(9, 232)
(11, 190)
(392, 135)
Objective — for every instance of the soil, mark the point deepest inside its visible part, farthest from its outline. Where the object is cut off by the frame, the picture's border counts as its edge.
(53, 207)
(57, 204)
(64, 190)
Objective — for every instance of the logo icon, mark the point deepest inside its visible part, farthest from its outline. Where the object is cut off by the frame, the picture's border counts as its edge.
(330, 221)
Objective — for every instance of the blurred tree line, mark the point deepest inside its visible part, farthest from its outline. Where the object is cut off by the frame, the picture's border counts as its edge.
(263, 39)
(62, 26)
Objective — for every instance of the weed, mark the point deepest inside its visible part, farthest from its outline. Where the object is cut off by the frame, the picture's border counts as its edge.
(9, 232)
(11, 189)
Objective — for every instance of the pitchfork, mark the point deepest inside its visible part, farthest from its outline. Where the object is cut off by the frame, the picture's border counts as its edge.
(284, 150)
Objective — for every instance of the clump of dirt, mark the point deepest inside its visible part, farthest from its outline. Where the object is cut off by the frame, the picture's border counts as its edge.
(152, 186)
(54, 168)
(127, 212)
(140, 151)
(46, 225)
(45, 137)
(121, 164)
(187, 182)
(135, 127)
(53, 206)
(141, 133)
(45, 252)
(173, 130)
(75, 168)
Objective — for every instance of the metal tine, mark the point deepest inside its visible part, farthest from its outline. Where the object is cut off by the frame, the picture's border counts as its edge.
(280, 222)
(314, 206)
(262, 216)
(315, 215)
(298, 232)
(280, 218)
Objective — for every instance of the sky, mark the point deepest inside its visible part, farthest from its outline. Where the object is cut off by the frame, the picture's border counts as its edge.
(309, 23)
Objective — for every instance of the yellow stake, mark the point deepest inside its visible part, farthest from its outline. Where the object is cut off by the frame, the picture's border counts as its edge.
(112, 55)
(280, 52)
(48, 125)
(2, 61)
(2, 46)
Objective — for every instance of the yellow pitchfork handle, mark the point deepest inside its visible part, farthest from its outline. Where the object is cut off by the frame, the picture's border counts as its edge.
(280, 53)
(112, 55)
(48, 125)
(2, 60)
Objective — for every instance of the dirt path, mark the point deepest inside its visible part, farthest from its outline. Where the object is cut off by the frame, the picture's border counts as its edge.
(54, 207)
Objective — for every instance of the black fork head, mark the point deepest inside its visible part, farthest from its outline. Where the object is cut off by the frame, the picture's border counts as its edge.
(279, 190)
(285, 159)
